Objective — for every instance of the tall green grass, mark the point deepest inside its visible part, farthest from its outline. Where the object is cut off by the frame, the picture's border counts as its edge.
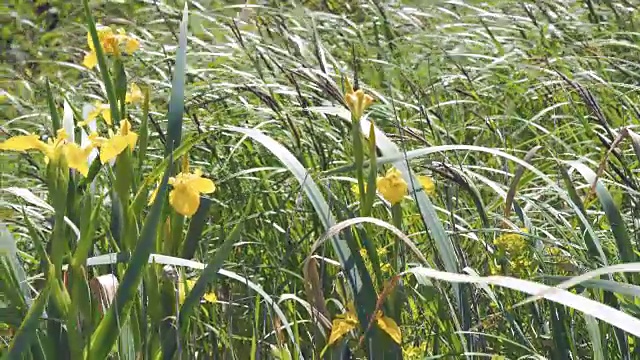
(524, 114)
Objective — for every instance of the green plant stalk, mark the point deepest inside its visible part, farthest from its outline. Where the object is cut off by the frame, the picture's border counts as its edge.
(123, 181)
(398, 264)
(373, 172)
(55, 116)
(106, 334)
(358, 154)
(57, 179)
(173, 244)
(120, 87)
(143, 132)
(70, 315)
(102, 64)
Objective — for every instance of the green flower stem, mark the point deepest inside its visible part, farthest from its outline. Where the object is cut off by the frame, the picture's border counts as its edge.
(359, 157)
(398, 258)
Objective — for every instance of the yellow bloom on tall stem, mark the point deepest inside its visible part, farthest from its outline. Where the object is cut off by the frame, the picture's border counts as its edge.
(357, 101)
(187, 187)
(75, 155)
(113, 146)
(392, 186)
(110, 43)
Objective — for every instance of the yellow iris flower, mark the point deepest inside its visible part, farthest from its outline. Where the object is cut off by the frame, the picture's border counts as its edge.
(392, 186)
(187, 187)
(110, 43)
(357, 101)
(75, 155)
(134, 95)
(348, 321)
(99, 109)
(113, 146)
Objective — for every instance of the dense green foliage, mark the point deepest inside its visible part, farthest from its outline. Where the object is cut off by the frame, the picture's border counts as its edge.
(524, 114)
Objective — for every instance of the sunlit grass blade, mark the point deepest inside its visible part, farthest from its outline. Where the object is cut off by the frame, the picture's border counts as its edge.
(620, 232)
(590, 307)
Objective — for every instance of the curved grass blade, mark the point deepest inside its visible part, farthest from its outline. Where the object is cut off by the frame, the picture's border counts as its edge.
(590, 307)
(413, 154)
(620, 232)
(516, 179)
(337, 228)
(348, 255)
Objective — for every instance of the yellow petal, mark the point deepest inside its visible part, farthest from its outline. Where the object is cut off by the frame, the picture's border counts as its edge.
(106, 114)
(184, 200)
(90, 42)
(90, 60)
(132, 138)
(22, 143)
(202, 185)
(339, 328)
(77, 158)
(134, 95)
(389, 326)
(98, 108)
(111, 148)
(210, 297)
(427, 184)
(131, 45)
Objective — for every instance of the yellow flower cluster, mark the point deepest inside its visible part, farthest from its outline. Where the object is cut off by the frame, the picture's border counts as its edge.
(515, 249)
(76, 156)
(348, 321)
(111, 42)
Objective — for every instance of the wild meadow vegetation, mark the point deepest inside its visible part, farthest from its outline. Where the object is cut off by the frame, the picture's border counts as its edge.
(320, 179)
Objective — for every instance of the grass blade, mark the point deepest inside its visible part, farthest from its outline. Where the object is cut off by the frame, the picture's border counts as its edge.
(176, 102)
